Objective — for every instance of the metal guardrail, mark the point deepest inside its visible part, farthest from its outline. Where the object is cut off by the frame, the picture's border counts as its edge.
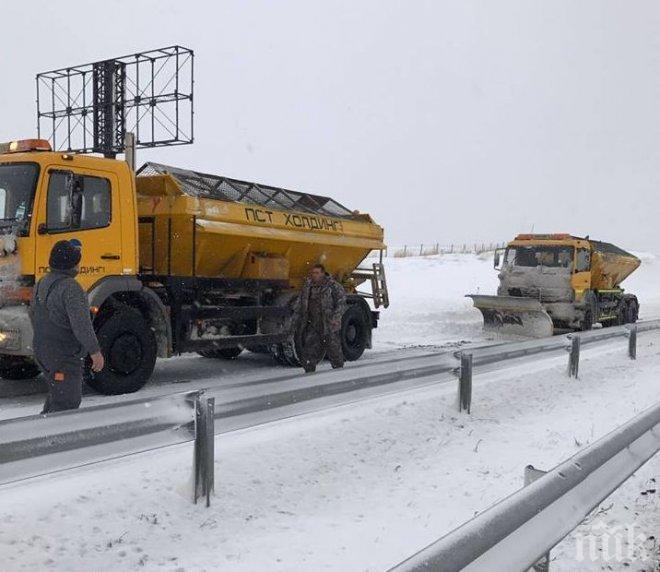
(572, 343)
(40, 444)
(500, 352)
(37, 445)
(516, 532)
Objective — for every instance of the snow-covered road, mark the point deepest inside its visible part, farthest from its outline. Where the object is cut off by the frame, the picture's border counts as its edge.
(358, 487)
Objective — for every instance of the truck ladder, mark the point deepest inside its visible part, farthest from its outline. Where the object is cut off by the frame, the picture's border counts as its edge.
(376, 275)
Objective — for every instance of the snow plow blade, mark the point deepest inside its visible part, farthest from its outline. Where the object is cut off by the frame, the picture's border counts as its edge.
(514, 315)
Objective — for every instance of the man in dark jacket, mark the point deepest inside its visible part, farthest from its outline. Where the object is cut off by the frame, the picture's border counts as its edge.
(320, 308)
(63, 332)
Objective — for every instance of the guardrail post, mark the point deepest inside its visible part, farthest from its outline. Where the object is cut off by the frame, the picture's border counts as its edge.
(530, 475)
(632, 342)
(204, 452)
(574, 357)
(465, 383)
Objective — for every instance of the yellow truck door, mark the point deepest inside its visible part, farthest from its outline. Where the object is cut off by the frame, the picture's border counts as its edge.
(581, 279)
(82, 205)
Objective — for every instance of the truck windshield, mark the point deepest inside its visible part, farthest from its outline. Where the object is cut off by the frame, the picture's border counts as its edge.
(532, 256)
(17, 184)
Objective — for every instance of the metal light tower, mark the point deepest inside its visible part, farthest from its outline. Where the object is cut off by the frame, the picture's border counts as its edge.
(91, 108)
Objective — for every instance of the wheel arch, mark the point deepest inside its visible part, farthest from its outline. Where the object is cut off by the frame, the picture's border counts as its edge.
(114, 290)
(111, 285)
(353, 299)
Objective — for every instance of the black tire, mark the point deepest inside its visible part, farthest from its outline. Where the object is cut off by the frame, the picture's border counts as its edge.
(277, 351)
(129, 348)
(588, 321)
(628, 311)
(288, 352)
(260, 349)
(590, 313)
(224, 353)
(291, 349)
(355, 332)
(621, 315)
(17, 368)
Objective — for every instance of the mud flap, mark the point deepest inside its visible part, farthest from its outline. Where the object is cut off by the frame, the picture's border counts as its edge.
(514, 315)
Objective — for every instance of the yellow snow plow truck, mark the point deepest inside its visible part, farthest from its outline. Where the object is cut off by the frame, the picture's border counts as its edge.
(173, 260)
(555, 282)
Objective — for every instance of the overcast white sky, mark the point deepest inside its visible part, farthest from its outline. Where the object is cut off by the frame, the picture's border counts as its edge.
(447, 121)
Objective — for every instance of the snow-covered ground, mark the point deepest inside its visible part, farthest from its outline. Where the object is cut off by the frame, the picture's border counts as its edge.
(427, 299)
(358, 487)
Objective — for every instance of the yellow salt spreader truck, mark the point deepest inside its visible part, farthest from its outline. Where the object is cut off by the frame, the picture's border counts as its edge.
(174, 261)
(556, 282)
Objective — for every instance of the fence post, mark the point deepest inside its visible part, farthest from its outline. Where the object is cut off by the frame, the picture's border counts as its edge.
(530, 475)
(204, 450)
(405, 251)
(632, 342)
(574, 357)
(465, 383)
(421, 249)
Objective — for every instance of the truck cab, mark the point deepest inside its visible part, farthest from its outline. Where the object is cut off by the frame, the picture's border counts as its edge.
(557, 282)
(46, 197)
(554, 269)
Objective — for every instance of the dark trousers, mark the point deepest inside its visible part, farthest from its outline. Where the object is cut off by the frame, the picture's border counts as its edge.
(64, 386)
(319, 345)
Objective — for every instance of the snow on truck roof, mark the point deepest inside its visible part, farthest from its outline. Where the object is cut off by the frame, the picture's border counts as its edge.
(197, 184)
(597, 245)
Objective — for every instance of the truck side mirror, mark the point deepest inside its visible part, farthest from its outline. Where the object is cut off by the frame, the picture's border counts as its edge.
(496, 260)
(74, 185)
(583, 260)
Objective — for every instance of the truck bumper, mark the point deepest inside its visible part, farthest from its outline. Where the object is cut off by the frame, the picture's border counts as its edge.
(15, 331)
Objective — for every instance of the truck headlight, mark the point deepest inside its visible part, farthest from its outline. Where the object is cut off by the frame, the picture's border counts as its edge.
(10, 340)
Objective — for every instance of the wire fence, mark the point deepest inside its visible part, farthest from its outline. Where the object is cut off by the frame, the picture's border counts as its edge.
(408, 250)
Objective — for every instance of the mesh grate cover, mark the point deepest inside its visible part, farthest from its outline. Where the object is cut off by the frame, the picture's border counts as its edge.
(197, 184)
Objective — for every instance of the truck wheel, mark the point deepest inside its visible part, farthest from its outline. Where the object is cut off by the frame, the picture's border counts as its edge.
(588, 321)
(631, 312)
(354, 333)
(277, 351)
(16, 368)
(620, 317)
(590, 313)
(129, 348)
(260, 349)
(224, 353)
(290, 350)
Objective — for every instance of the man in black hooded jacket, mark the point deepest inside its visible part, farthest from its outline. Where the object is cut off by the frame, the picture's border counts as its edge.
(63, 331)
